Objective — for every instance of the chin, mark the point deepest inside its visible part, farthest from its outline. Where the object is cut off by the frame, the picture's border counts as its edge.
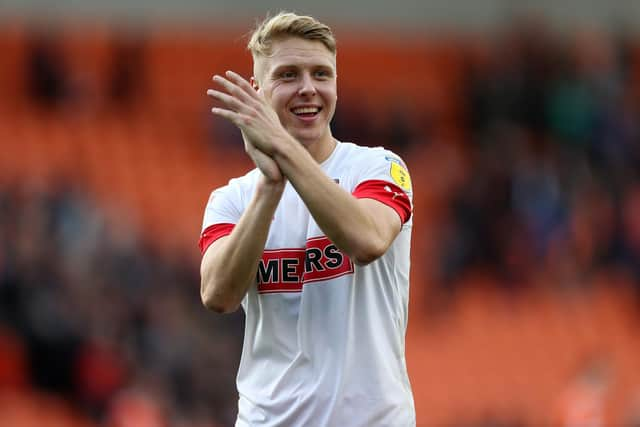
(308, 142)
(307, 138)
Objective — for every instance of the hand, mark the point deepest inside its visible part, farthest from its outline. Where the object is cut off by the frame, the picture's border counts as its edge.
(249, 111)
(269, 168)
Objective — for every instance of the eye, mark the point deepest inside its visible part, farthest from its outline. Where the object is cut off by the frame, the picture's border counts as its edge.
(288, 75)
(322, 74)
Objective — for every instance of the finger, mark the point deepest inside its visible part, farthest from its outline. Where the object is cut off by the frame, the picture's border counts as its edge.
(241, 82)
(232, 116)
(226, 99)
(233, 89)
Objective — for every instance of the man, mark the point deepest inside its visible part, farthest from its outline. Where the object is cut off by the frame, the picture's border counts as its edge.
(313, 243)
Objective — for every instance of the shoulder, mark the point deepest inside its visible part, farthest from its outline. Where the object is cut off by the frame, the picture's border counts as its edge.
(380, 163)
(237, 192)
(242, 183)
(366, 155)
(362, 159)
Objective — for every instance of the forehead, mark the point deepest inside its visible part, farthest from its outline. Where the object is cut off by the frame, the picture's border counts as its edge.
(294, 51)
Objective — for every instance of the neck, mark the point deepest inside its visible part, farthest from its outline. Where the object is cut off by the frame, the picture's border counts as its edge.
(322, 148)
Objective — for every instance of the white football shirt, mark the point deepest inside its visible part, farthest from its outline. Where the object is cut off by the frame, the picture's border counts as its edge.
(324, 341)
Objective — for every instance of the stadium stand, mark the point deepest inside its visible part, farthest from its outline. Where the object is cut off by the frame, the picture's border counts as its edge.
(493, 336)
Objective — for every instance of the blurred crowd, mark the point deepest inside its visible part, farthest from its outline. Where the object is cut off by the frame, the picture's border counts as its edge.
(106, 321)
(550, 195)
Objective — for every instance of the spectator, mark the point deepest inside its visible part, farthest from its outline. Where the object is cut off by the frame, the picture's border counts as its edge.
(47, 74)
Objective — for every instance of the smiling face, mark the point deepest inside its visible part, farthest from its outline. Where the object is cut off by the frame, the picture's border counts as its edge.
(299, 81)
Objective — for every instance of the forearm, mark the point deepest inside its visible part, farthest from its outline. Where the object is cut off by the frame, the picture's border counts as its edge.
(342, 217)
(230, 265)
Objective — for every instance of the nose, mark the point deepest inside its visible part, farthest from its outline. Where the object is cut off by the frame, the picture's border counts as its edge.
(307, 88)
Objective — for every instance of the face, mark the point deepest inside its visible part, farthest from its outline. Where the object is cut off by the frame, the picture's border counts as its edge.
(299, 80)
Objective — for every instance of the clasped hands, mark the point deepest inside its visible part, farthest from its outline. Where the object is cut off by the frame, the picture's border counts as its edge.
(259, 124)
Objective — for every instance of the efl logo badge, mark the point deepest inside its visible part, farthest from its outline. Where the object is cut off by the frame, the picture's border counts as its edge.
(400, 176)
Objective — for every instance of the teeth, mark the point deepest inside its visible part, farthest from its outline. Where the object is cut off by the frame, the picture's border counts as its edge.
(305, 110)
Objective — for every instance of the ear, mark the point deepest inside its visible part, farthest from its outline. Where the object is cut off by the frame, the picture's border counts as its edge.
(254, 83)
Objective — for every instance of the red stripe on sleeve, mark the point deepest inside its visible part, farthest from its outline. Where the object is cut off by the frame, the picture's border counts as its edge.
(213, 233)
(387, 193)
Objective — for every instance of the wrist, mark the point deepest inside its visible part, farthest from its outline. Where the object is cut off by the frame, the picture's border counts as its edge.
(270, 188)
(282, 146)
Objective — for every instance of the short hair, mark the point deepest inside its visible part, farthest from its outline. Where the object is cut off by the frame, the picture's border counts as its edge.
(288, 24)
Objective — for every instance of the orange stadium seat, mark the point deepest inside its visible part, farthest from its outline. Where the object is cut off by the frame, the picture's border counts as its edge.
(31, 409)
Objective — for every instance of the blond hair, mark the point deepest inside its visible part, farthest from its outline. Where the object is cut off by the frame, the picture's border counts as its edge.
(288, 24)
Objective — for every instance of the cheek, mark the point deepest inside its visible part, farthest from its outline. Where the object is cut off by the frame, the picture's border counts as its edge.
(330, 97)
(280, 98)
(329, 92)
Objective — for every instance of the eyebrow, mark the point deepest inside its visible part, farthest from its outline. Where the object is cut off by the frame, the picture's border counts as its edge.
(283, 67)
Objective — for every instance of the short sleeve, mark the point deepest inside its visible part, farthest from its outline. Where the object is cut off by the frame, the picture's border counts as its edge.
(383, 176)
(222, 212)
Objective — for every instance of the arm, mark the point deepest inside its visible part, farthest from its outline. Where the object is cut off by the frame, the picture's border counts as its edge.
(361, 228)
(229, 266)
